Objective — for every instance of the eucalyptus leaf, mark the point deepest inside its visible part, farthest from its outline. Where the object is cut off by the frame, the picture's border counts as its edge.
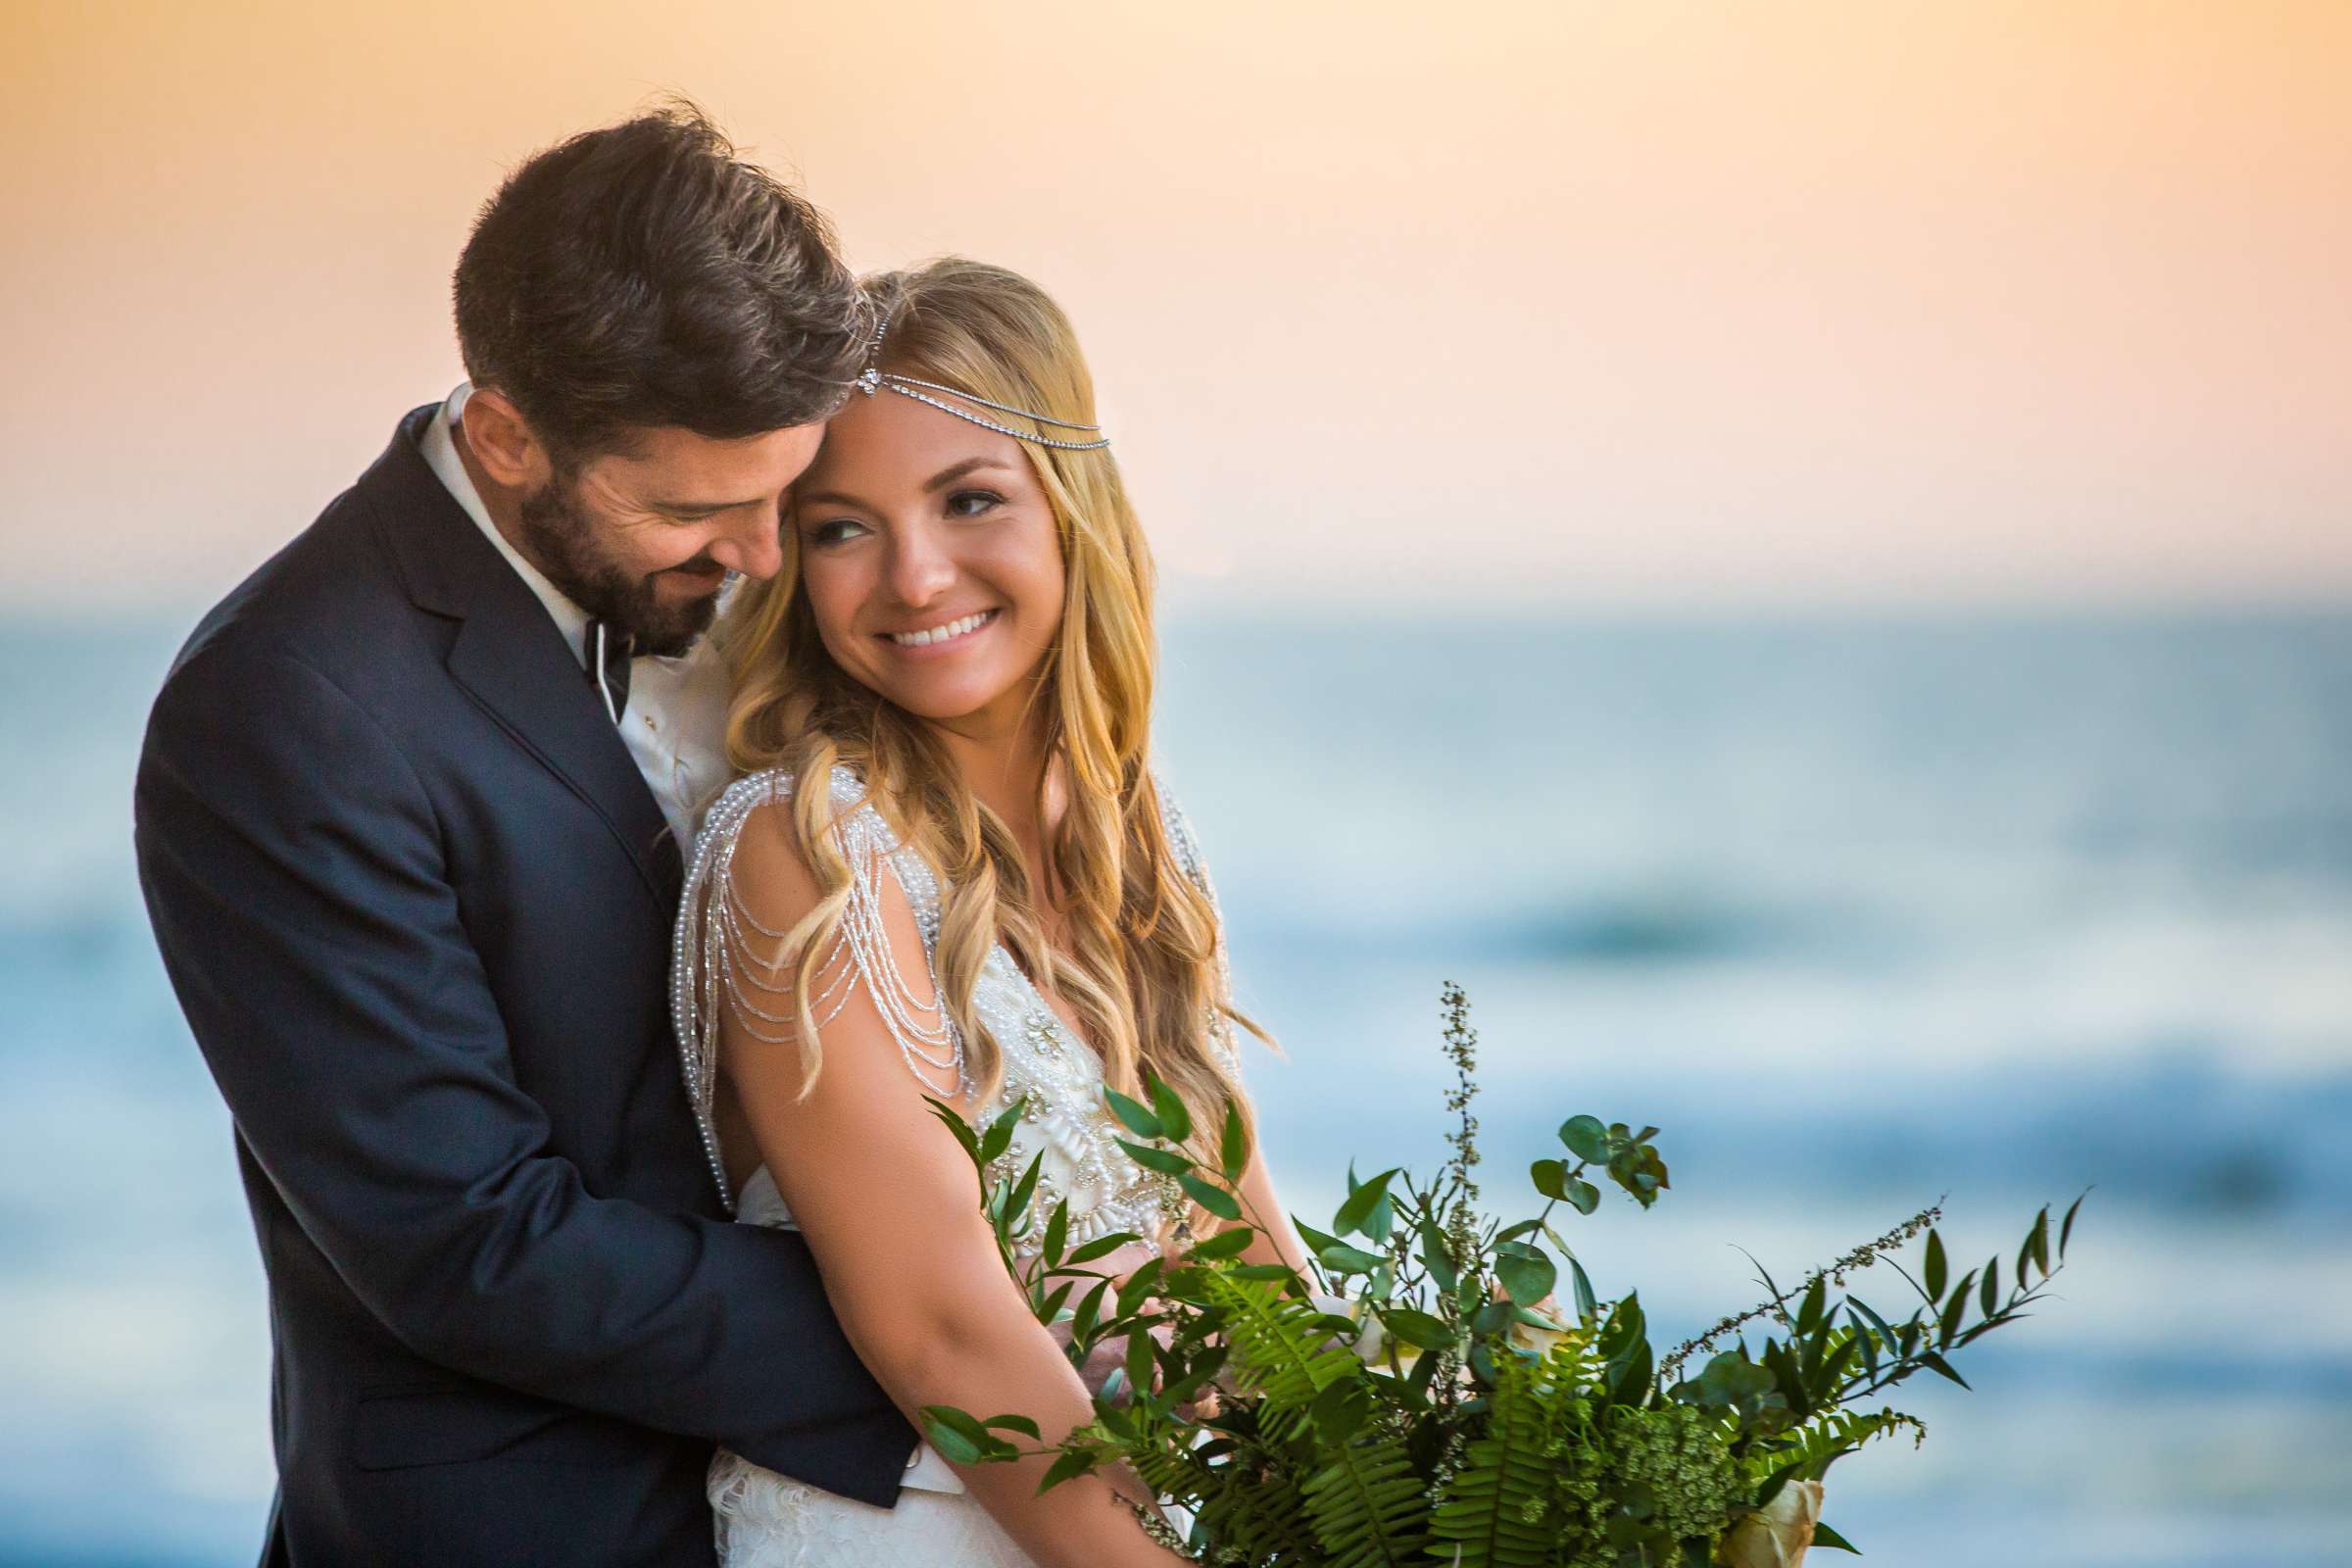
(1935, 1267)
(1587, 1139)
(1492, 1318)
(1526, 1280)
(1416, 1328)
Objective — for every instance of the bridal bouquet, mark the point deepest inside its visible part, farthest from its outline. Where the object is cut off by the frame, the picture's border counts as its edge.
(1419, 1397)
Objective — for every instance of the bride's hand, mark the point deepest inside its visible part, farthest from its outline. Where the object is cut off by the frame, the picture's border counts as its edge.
(1109, 1355)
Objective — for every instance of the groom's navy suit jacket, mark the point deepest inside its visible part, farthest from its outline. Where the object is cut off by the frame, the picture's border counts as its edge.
(416, 901)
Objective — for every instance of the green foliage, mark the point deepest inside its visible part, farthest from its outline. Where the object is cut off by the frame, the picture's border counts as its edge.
(1675, 1475)
(1366, 1505)
(1829, 1438)
(1496, 1509)
(1454, 1413)
(1280, 1348)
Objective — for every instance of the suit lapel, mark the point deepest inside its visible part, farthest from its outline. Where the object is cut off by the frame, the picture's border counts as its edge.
(510, 656)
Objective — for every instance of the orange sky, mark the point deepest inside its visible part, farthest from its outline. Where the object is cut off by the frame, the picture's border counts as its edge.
(1599, 303)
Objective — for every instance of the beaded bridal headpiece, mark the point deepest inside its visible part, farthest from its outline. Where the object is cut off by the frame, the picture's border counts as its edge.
(874, 378)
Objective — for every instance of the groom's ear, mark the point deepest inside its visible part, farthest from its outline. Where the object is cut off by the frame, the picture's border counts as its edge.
(503, 442)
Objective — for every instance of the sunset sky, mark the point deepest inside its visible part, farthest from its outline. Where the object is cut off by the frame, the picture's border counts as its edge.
(1623, 304)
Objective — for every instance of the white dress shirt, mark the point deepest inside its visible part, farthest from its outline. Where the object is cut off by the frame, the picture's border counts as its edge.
(675, 725)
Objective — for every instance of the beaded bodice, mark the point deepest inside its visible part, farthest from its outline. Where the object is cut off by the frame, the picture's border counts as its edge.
(721, 962)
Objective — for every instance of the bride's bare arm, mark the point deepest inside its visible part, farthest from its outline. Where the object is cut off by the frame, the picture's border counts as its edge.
(890, 1209)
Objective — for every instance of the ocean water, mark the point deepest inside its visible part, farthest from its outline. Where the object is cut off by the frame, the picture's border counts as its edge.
(1865, 915)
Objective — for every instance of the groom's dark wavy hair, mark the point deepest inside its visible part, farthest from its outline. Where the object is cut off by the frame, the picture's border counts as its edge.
(643, 275)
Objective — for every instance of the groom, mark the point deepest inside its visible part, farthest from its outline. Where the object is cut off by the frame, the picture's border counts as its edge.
(409, 818)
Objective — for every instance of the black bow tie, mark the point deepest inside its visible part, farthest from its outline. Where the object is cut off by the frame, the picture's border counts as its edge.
(609, 665)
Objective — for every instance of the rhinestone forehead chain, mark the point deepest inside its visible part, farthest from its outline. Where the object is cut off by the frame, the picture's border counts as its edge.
(874, 378)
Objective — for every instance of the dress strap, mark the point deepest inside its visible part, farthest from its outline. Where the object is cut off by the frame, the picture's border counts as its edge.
(727, 961)
(1187, 847)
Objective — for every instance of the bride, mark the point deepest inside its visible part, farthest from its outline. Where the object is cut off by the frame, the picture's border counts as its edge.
(949, 871)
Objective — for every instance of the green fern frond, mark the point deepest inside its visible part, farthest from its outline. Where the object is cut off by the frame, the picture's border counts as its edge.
(1253, 1513)
(1823, 1440)
(1277, 1347)
(1367, 1505)
(1493, 1512)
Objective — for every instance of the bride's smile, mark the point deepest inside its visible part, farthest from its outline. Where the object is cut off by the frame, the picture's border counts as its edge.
(946, 635)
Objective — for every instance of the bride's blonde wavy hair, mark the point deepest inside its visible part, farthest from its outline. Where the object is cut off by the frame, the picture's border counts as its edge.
(1143, 972)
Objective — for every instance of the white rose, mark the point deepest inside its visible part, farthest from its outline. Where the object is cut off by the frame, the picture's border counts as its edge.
(1777, 1536)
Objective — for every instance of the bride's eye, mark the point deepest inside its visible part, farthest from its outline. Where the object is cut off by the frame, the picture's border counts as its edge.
(835, 531)
(973, 502)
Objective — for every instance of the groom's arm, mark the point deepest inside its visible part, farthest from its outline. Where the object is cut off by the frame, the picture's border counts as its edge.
(293, 869)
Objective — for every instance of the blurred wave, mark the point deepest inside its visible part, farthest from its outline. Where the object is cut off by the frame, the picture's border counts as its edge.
(1862, 913)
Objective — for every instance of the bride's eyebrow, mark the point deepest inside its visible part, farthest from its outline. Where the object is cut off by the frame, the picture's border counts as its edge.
(956, 471)
(938, 482)
(826, 498)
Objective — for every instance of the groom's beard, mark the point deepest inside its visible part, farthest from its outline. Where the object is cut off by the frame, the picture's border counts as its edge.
(564, 545)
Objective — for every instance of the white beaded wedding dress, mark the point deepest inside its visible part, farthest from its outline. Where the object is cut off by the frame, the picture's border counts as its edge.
(766, 1520)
